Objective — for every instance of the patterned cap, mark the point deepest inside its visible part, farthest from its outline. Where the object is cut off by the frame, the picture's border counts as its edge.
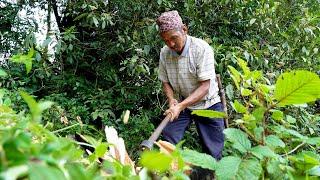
(169, 20)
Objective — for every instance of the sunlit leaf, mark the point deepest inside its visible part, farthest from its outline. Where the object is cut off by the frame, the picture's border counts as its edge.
(239, 107)
(156, 161)
(297, 87)
(277, 115)
(209, 113)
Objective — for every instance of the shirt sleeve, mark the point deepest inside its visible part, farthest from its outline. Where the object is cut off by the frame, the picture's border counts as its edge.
(205, 65)
(163, 76)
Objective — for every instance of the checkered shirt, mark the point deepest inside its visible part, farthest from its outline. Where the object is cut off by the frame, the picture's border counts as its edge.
(184, 72)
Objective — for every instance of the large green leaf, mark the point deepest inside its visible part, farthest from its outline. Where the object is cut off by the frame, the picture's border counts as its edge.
(249, 169)
(228, 167)
(297, 87)
(156, 161)
(231, 167)
(239, 139)
(199, 159)
(274, 141)
(209, 113)
(40, 172)
(262, 151)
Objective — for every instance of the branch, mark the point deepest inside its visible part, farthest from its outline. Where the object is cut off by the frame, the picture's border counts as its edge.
(293, 150)
(53, 3)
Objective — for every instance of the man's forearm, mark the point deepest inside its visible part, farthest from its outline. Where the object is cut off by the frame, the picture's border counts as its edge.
(168, 90)
(197, 95)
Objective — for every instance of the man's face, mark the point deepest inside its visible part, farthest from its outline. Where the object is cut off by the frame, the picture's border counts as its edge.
(175, 39)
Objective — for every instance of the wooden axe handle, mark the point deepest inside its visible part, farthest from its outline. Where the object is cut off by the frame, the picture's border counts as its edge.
(156, 133)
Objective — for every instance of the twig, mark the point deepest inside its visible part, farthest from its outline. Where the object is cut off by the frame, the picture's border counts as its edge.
(65, 128)
(293, 150)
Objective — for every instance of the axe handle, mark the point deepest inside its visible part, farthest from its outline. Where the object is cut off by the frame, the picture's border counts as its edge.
(154, 136)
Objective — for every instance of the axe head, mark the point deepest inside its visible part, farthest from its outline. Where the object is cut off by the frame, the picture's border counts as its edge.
(146, 144)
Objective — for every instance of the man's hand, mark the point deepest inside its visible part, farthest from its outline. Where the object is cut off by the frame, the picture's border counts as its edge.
(174, 111)
(173, 102)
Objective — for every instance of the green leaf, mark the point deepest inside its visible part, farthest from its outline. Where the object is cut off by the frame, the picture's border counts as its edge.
(277, 115)
(262, 151)
(32, 104)
(252, 21)
(249, 169)
(228, 167)
(45, 105)
(295, 133)
(274, 141)
(95, 21)
(101, 149)
(24, 59)
(235, 75)
(209, 113)
(297, 87)
(199, 159)
(315, 171)
(156, 161)
(3, 73)
(314, 141)
(239, 139)
(35, 108)
(229, 91)
(14, 172)
(290, 119)
(258, 113)
(244, 66)
(238, 107)
(245, 92)
(39, 172)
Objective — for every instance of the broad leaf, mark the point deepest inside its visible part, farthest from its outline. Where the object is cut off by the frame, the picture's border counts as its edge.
(249, 169)
(239, 107)
(209, 113)
(228, 167)
(315, 171)
(39, 172)
(199, 159)
(156, 161)
(239, 139)
(274, 141)
(262, 151)
(297, 87)
(314, 141)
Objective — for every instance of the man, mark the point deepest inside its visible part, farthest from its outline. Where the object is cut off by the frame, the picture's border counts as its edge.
(186, 69)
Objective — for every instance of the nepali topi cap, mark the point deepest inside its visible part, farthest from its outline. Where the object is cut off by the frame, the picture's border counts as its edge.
(169, 20)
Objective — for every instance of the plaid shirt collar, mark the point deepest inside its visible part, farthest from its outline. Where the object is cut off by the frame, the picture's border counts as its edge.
(185, 49)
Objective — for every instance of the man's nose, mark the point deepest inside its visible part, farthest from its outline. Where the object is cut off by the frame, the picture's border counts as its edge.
(171, 44)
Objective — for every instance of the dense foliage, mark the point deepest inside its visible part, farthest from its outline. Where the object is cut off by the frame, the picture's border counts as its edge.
(99, 58)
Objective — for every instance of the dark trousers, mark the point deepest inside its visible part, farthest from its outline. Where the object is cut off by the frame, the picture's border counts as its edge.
(210, 130)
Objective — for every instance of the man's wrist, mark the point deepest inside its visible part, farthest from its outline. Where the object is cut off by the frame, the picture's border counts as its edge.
(181, 106)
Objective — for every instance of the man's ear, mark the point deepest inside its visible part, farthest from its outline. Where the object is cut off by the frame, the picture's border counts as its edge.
(185, 29)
